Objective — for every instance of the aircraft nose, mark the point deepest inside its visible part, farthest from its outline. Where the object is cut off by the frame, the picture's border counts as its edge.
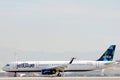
(5, 68)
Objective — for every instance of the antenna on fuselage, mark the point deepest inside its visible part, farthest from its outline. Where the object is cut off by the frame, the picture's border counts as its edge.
(72, 60)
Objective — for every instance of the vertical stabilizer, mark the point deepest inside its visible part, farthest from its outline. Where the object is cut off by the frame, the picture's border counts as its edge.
(108, 55)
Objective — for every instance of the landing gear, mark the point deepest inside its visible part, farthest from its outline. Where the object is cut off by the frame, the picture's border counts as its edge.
(59, 74)
(15, 75)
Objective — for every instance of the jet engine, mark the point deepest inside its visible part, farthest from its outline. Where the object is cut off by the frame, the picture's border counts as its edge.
(48, 71)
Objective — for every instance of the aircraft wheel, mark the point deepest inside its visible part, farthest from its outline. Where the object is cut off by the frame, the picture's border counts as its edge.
(59, 74)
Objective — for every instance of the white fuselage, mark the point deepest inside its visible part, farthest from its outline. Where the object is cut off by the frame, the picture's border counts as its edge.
(33, 66)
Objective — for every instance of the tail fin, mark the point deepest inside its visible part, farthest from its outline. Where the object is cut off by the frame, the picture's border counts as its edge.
(108, 55)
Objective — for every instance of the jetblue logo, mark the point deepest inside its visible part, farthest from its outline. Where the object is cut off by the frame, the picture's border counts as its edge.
(106, 57)
(25, 65)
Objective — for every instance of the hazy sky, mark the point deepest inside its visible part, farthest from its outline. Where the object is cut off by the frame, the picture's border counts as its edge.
(56, 29)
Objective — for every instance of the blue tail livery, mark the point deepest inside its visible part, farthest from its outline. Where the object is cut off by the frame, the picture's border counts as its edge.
(108, 55)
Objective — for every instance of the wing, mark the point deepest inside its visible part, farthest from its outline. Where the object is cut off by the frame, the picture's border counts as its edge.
(60, 68)
(63, 66)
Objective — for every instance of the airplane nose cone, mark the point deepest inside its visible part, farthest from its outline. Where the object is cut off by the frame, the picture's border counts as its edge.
(5, 68)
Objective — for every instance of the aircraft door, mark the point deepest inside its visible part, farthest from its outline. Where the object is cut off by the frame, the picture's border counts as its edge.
(97, 65)
(14, 66)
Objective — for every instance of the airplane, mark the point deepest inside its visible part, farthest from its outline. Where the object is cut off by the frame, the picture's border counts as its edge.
(56, 68)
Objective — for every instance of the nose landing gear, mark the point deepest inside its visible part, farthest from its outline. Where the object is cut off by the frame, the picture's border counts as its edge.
(15, 75)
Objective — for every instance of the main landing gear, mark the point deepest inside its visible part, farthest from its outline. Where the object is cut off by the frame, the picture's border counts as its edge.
(59, 74)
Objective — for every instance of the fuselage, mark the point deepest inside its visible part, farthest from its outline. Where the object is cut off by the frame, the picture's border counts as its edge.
(37, 66)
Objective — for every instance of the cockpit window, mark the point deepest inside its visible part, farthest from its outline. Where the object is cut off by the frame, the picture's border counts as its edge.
(7, 64)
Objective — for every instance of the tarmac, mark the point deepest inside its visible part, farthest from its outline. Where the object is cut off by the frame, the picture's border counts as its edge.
(60, 78)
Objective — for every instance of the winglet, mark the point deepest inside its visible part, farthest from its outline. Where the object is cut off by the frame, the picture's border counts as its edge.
(72, 60)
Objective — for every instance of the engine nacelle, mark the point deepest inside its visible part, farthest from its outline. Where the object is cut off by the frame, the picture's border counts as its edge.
(48, 71)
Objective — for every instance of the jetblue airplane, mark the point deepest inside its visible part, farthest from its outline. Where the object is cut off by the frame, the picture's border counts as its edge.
(56, 68)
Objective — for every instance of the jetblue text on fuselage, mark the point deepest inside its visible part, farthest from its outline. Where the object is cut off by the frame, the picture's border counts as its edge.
(25, 65)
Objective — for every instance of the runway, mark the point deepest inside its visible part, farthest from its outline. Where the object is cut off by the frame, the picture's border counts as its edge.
(60, 78)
